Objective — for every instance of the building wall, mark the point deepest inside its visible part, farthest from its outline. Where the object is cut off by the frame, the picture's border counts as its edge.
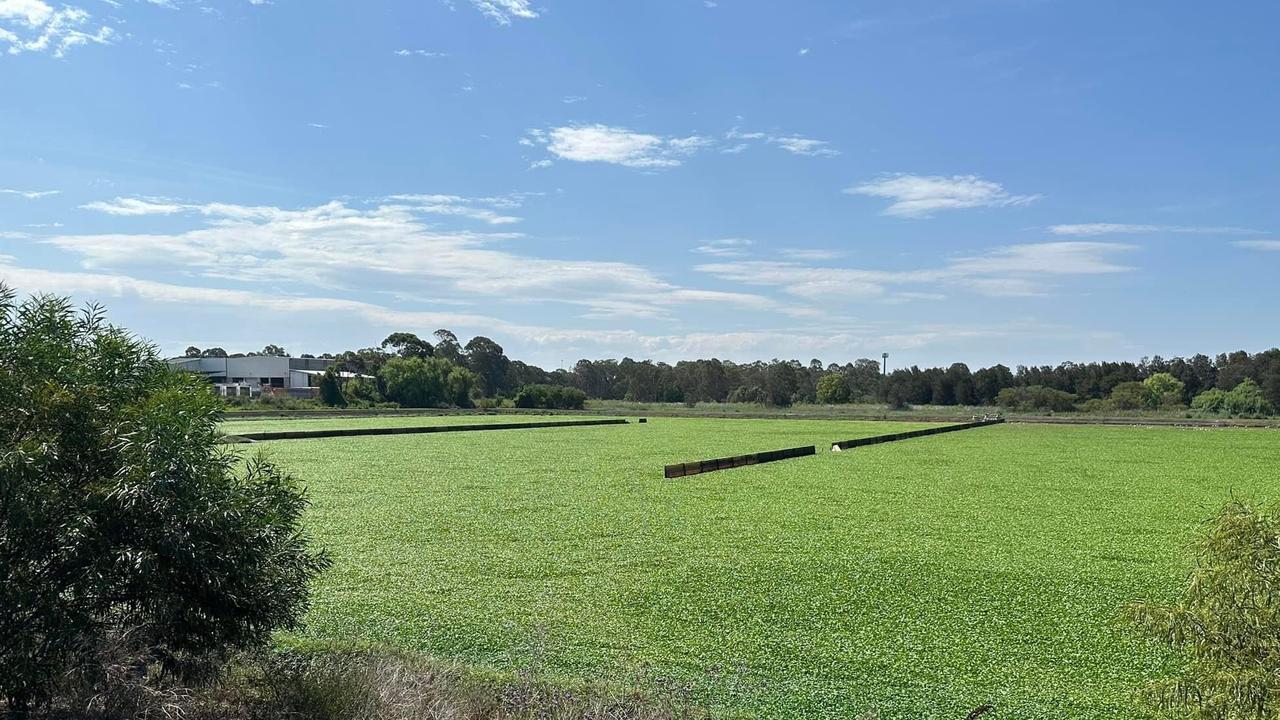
(255, 370)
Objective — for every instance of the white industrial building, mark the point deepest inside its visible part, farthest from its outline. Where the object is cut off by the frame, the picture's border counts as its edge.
(253, 374)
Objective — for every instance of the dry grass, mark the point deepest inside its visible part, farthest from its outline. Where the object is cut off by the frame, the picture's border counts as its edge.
(354, 685)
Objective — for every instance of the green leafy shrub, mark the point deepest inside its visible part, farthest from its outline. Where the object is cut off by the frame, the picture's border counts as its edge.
(1096, 406)
(121, 515)
(1166, 389)
(361, 392)
(1247, 399)
(426, 382)
(833, 389)
(550, 397)
(331, 389)
(1133, 396)
(1033, 398)
(1227, 623)
(1212, 401)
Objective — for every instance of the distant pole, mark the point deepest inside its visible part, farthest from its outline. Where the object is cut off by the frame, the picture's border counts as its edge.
(885, 357)
(884, 377)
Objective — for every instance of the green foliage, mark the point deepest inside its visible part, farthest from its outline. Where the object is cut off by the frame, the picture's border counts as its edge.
(331, 388)
(1133, 396)
(550, 397)
(833, 389)
(1247, 399)
(417, 382)
(1166, 389)
(408, 345)
(1211, 401)
(1226, 625)
(361, 392)
(120, 514)
(1035, 398)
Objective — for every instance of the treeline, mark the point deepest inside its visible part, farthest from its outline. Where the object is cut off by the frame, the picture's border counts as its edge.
(480, 371)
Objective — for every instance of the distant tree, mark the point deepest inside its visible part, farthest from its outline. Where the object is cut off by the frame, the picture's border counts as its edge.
(361, 392)
(1166, 389)
(191, 352)
(1036, 398)
(1246, 398)
(780, 384)
(273, 351)
(988, 382)
(1226, 625)
(486, 359)
(1212, 401)
(214, 352)
(408, 345)
(833, 389)
(458, 386)
(366, 361)
(447, 347)
(551, 397)
(331, 388)
(1133, 396)
(426, 382)
(963, 390)
(122, 518)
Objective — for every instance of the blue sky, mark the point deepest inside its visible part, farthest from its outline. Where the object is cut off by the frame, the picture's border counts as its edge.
(981, 181)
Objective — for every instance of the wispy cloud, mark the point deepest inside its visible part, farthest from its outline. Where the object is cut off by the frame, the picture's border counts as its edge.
(1015, 270)
(35, 26)
(503, 11)
(482, 209)
(920, 196)
(28, 194)
(389, 246)
(847, 339)
(811, 254)
(615, 145)
(405, 52)
(1264, 245)
(724, 247)
(805, 146)
(1092, 229)
(792, 143)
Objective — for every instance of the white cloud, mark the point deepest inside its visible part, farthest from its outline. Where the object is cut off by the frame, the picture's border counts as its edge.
(29, 194)
(132, 207)
(573, 99)
(32, 13)
(482, 209)
(1264, 245)
(1016, 270)
(724, 247)
(36, 26)
(387, 246)
(804, 146)
(812, 341)
(919, 196)
(473, 208)
(792, 143)
(615, 145)
(622, 146)
(811, 254)
(502, 11)
(420, 53)
(1091, 229)
(803, 51)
